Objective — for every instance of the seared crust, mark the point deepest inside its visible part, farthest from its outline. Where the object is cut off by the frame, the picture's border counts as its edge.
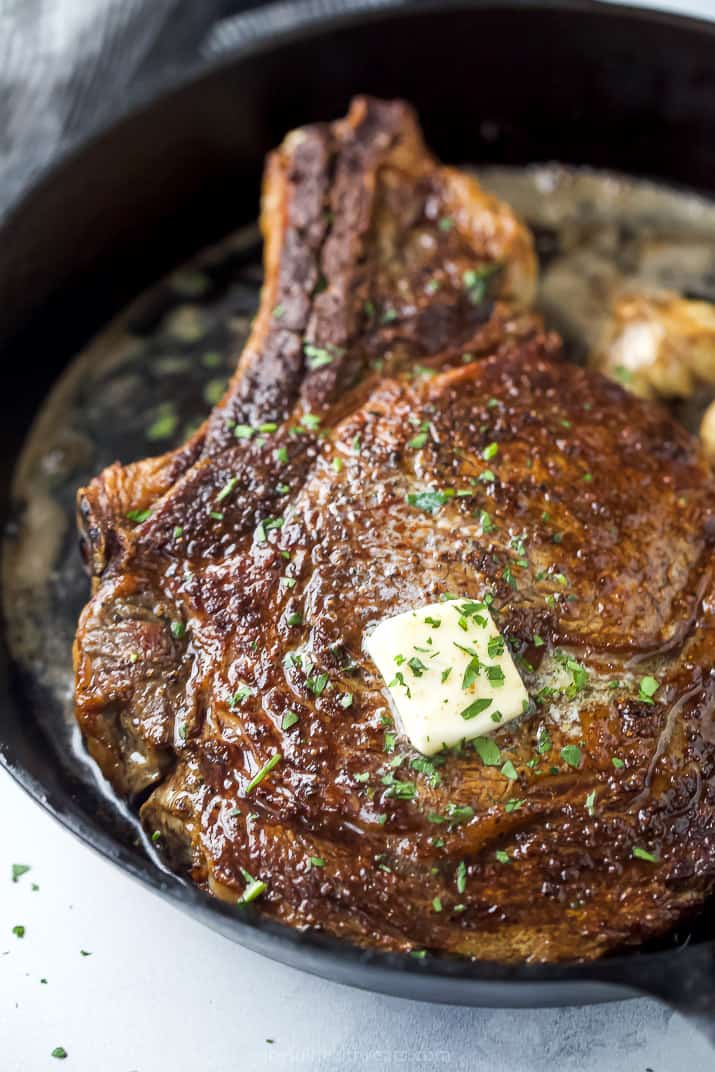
(271, 555)
(366, 242)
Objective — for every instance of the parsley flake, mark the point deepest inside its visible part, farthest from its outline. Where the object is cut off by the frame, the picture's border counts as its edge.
(475, 708)
(643, 854)
(487, 750)
(428, 501)
(648, 688)
(571, 754)
(263, 772)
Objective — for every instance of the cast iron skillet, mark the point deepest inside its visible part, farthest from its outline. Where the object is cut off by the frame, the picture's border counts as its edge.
(575, 82)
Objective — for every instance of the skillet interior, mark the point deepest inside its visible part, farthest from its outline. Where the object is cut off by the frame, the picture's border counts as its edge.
(68, 269)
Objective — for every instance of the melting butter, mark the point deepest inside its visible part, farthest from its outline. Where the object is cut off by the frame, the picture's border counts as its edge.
(449, 673)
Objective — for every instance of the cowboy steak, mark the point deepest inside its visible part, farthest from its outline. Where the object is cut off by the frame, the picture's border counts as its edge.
(401, 430)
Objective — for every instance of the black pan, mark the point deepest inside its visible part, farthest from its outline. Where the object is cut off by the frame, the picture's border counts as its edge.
(575, 82)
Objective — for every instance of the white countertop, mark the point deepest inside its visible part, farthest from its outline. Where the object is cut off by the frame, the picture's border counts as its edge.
(161, 992)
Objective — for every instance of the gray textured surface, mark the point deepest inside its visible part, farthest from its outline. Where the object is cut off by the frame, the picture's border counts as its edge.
(160, 992)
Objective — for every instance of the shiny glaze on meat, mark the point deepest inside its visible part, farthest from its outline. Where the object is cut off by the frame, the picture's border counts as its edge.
(597, 549)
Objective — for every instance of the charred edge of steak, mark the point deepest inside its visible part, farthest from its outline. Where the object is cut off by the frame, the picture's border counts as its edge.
(109, 507)
(348, 211)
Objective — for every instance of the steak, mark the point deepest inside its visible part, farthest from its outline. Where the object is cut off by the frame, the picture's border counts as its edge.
(400, 427)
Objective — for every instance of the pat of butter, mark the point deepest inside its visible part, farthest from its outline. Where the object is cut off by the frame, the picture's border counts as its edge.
(449, 673)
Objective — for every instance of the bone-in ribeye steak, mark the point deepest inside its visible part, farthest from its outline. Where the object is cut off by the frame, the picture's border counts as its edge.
(225, 629)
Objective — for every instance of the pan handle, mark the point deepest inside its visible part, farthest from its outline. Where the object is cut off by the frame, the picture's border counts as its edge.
(685, 980)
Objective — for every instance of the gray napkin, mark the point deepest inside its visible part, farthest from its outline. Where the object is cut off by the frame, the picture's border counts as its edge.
(68, 66)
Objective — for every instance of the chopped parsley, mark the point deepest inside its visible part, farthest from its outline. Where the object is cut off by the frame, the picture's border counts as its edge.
(214, 389)
(509, 771)
(495, 675)
(643, 854)
(317, 684)
(475, 280)
(428, 501)
(648, 688)
(461, 876)
(421, 438)
(571, 754)
(416, 666)
(485, 521)
(318, 357)
(579, 674)
(137, 516)
(490, 451)
(165, 424)
(459, 813)
(400, 790)
(475, 708)
(178, 629)
(289, 719)
(487, 750)
(18, 870)
(495, 647)
(18, 930)
(471, 672)
(263, 772)
(227, 489)
(254, 888)
(428, 768)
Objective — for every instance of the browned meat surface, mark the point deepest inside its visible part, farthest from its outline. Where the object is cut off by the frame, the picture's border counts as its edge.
(220, 674)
